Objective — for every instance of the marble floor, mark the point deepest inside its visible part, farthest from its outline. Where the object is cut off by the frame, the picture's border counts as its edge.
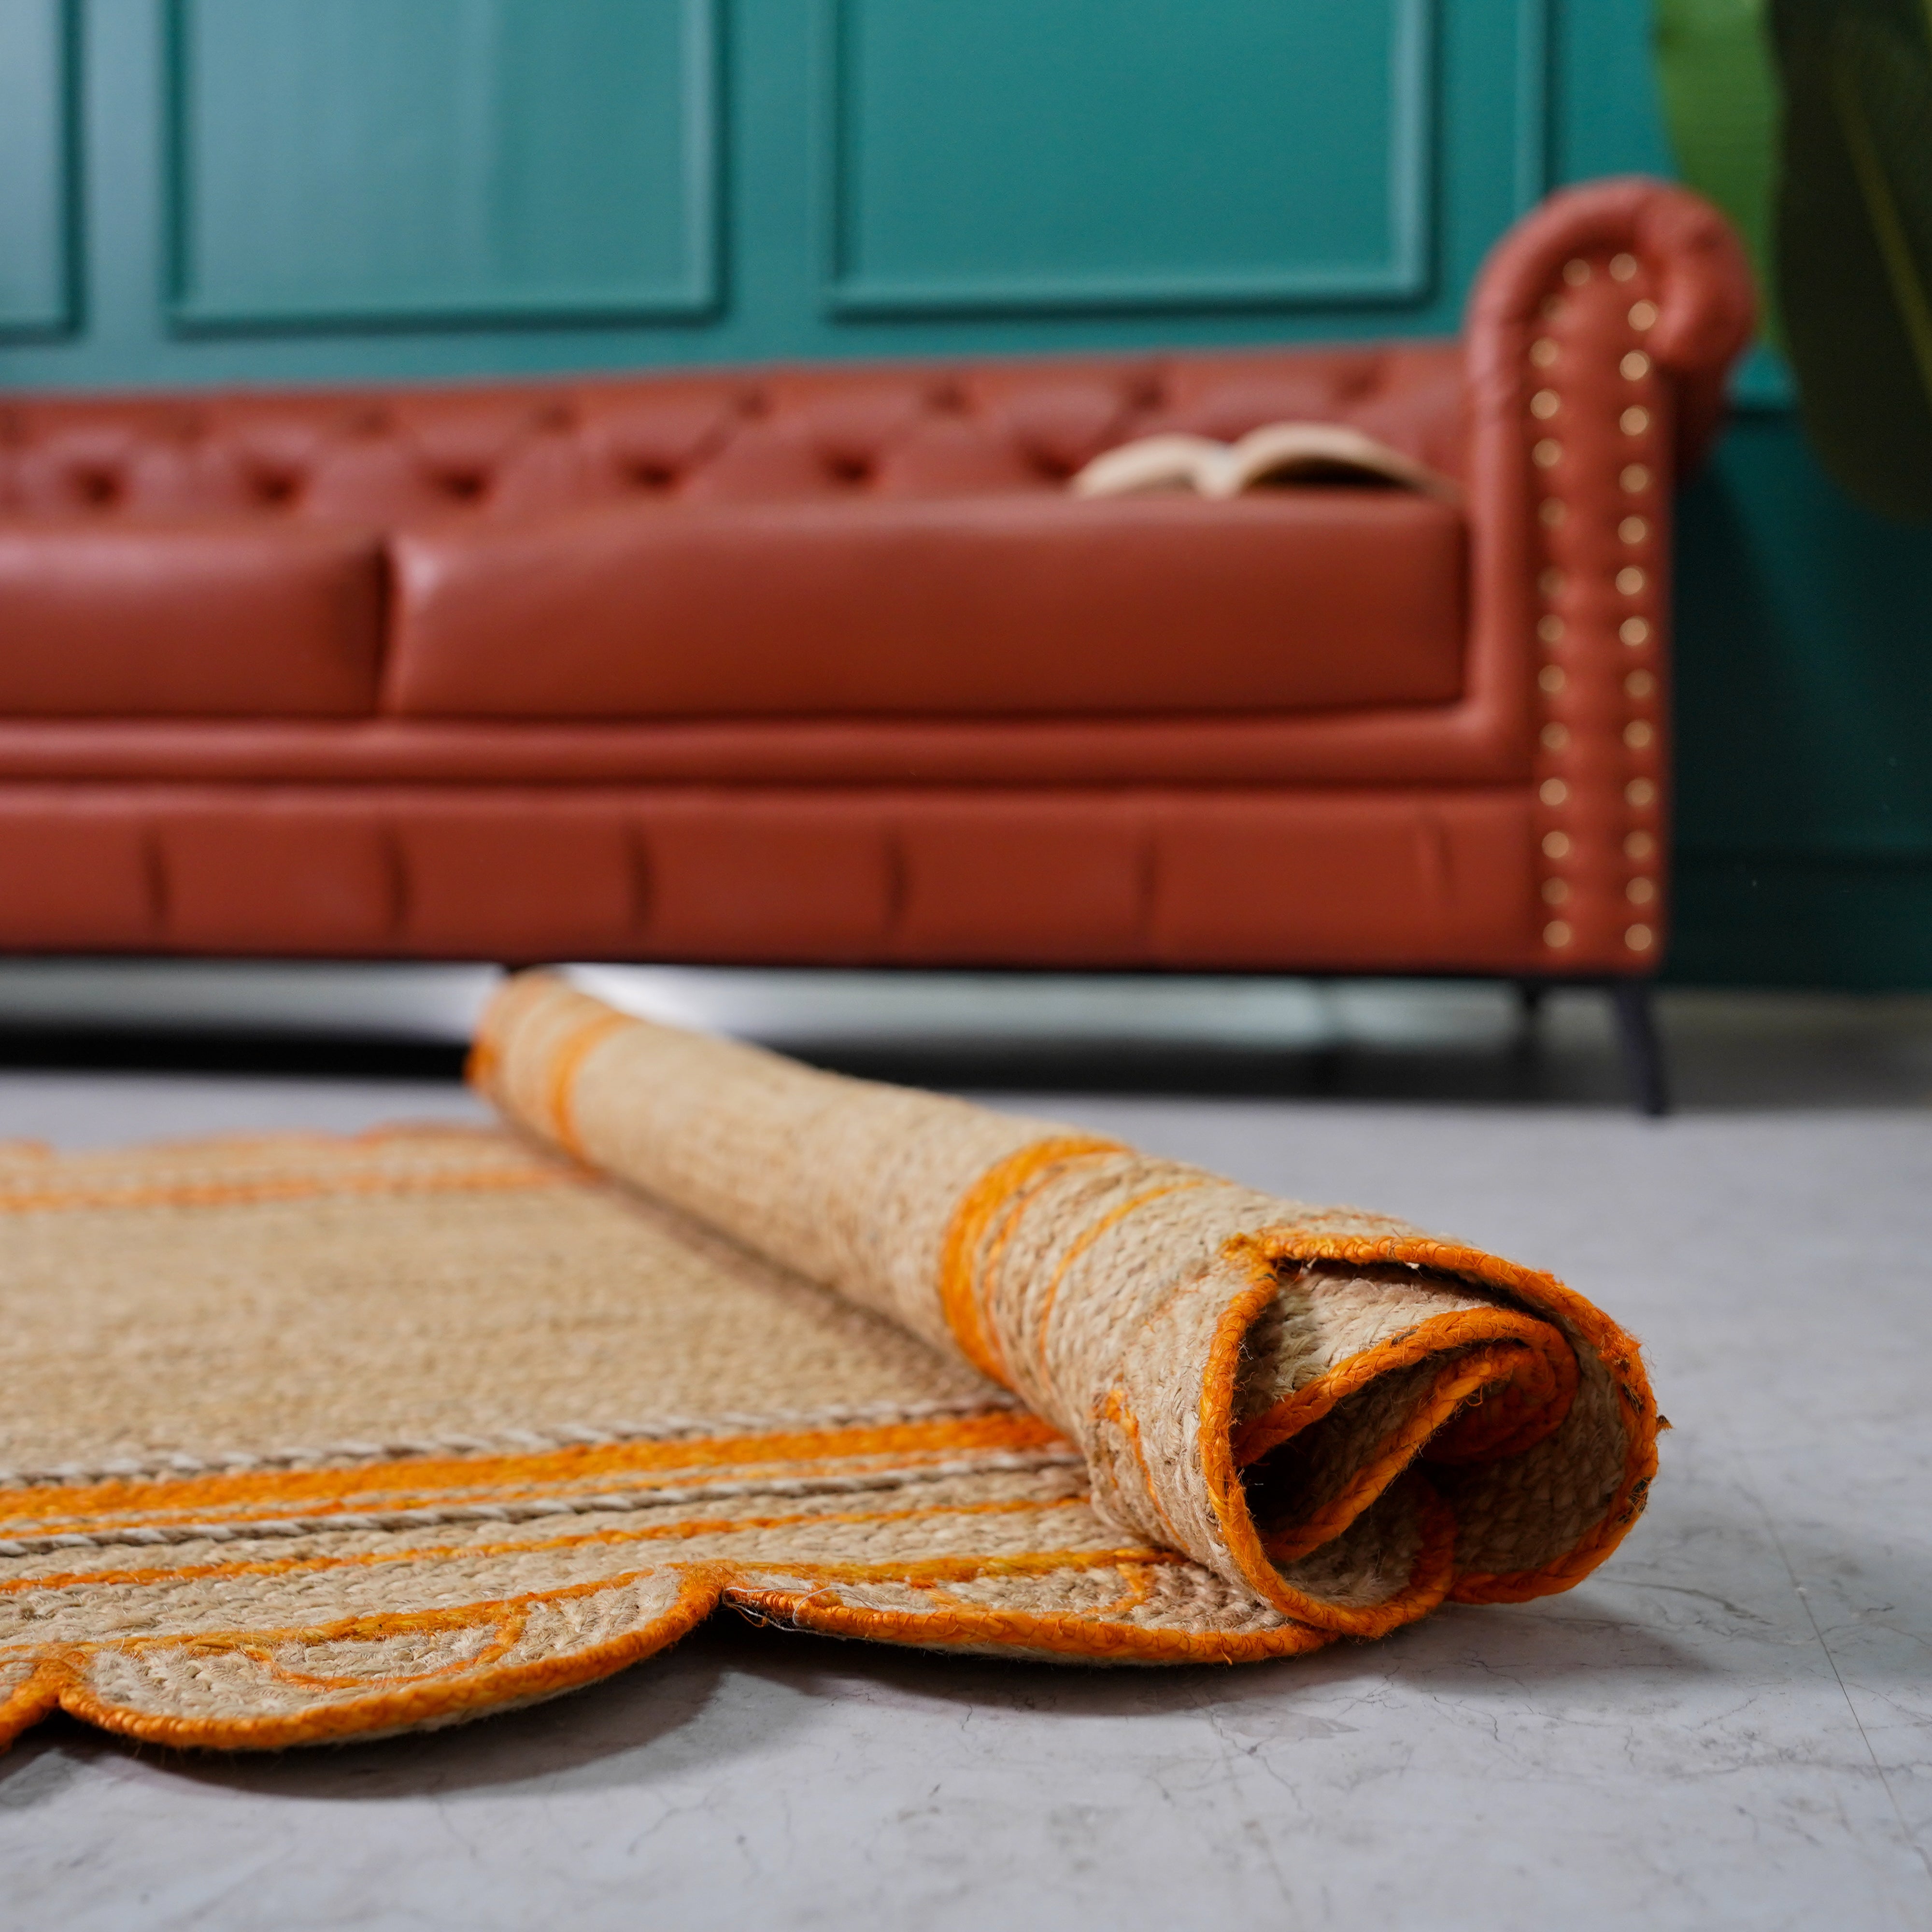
(1730, 1725)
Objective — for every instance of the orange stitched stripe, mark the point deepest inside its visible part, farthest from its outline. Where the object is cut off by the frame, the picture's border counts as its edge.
(1546, 1360)
(959, 1265)
(1115, 1410)
(566, 1063)
(685, 1530)
(232, 1193)
(1000, 1429)
(398, 1703)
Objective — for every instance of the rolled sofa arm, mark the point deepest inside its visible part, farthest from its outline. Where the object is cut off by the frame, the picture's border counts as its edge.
(1599, 339)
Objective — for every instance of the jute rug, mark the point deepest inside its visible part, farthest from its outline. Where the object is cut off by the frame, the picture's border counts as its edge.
(308, 1437)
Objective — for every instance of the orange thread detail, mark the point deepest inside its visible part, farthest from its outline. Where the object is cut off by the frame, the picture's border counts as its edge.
(155, 1498)
(234, 1193)
(370, 1559)
(979, 1206)
(1461, 1377)
(1546, 1358)
(565, 1064)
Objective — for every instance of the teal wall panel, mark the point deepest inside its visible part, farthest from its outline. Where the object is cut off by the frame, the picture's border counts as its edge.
(1125, 154)
(361, 161)
(218, 191)
(38, 158)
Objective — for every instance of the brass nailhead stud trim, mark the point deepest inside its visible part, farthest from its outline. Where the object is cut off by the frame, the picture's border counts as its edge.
(1557, 933)
(1545, 403)
(1635, 366)
(1577, 272)
(1638, 734)
(1555, 892)
(1551, 582)
(1547, 453)
(1551, 511)
(1553, 791)
(1634, 631)
(1629, 580)
(1556, 845)
(1549, 680)
(1640, 939)
(1636, 479)
(1640, 684)
(1638, 846)
(1634, 530)
(1640, 891)
(1634, 420)
(1639, 792)
(1554, 737)
(1550, 628)
(1543, 353)
(1642, 315)
(1623, 267)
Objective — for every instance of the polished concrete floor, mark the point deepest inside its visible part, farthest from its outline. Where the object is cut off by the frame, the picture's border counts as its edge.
(1730, 1725)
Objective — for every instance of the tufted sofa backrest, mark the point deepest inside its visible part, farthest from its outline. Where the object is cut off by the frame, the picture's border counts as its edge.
(397, 455)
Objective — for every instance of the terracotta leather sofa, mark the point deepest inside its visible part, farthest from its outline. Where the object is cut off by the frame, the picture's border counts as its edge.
(824, 665)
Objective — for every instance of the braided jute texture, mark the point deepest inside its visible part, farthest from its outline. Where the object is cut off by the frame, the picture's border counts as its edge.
(306, 1437)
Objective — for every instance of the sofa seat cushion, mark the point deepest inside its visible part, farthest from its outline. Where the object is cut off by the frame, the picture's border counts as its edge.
(993, 605)
(217, 617)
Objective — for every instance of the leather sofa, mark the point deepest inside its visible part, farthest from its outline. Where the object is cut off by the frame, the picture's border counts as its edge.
(825, 664)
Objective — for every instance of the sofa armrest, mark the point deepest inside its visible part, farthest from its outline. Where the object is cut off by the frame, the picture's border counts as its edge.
(1599, 339)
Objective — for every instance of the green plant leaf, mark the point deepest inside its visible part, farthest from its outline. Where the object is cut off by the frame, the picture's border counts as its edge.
(1854, 240)
(1720, 103)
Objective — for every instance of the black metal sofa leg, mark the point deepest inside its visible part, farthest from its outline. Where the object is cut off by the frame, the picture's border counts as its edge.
(1643, 1050)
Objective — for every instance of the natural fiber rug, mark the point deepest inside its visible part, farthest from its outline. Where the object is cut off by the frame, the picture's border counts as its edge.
(309, 1438)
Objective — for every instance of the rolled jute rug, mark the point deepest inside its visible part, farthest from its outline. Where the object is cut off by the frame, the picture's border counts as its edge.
(305, 1437)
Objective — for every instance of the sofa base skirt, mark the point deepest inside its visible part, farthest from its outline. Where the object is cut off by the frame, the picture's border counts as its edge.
(1261, 880)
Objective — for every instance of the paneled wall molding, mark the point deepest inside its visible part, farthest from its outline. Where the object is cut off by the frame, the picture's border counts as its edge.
(902, 180)
(347, 165)
(40, 169)
(1535, 109)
